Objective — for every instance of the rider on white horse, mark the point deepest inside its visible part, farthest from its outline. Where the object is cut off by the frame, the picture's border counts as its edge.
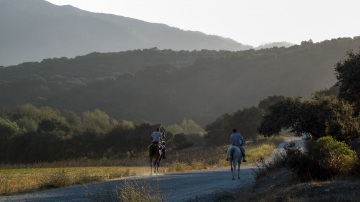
(237, 140)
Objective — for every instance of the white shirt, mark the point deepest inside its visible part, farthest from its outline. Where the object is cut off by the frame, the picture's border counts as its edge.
(156, 136)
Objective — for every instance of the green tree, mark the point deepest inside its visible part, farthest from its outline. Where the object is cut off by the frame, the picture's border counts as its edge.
(269, 101)
(175, 128)
(118, 138)
(53, 125)
(348, 75)
(5, 113)
(29, 111)
(8, 131)
(97, 120)
(72, 118)
(218, 131)
(282, 115)
(27, 123)
(8, 128)
(181, 142)
(187, 126)
(247, 121)
(190, 126)
(320, 116)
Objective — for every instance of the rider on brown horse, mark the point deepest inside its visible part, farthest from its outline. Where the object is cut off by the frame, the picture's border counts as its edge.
(157, 138)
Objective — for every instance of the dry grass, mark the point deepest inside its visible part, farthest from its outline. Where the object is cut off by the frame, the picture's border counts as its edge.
(137, 192)
(206, 158)
(22, 180)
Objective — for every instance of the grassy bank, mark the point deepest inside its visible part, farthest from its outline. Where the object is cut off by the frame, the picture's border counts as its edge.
(28, 179)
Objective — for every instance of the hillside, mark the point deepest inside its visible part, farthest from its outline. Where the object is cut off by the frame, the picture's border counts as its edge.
(32, 30)
(165, 86)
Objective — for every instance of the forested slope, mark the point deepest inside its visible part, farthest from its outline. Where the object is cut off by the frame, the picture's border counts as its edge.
(166, 86)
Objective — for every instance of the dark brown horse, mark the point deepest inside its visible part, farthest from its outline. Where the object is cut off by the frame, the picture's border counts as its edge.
(155, 157)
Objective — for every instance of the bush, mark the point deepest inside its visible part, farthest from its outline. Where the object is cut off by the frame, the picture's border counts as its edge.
(298, 162)
(332, 157)
(325, 159)
(56, 180)
(181, 142)
(131, 191)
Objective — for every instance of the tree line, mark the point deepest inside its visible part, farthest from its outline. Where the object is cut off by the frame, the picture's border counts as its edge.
(32, 134)
(166, 86)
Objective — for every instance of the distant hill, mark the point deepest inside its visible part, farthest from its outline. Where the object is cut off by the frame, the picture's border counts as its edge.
(166, 86)
(32, 30)
(274, 44)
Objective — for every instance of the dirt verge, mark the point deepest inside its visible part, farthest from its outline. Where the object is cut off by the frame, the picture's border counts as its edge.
(280, 185)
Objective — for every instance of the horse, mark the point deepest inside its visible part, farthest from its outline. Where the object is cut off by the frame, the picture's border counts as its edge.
(155, 157)
(235, 157)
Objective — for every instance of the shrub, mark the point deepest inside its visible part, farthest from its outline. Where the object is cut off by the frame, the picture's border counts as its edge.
(56, 179)
(297, 161)
(133, 192)
(332, 157)
(325, 159)
(181, 141)
(264, 166)
(178, 167)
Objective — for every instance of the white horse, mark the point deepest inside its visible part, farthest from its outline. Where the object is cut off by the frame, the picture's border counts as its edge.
(235, 157)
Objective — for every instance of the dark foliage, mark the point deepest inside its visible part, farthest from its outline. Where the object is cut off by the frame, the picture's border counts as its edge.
(320, 116)
(167, 86)
(348, 74)
(63, 136)
(324, 159)
(181, 142)
(246, 121)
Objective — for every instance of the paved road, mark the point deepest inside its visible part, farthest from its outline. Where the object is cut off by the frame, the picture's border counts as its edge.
(174, 187)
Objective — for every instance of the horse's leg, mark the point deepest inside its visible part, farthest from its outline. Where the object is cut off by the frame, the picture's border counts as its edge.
(239, 163)
(155, 166)
(233, 167)
(150, 165)
(160, 157)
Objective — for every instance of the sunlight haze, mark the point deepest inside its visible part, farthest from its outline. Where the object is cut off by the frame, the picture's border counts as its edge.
(254, 22)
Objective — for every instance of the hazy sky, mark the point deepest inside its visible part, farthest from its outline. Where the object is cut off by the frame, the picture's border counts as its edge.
(252, 22)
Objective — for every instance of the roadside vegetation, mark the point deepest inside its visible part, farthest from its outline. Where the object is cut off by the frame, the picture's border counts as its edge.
(28, 177)
(327, 169)
(331, 174)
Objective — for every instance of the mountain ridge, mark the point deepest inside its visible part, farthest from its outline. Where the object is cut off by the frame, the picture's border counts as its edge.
(36, 30)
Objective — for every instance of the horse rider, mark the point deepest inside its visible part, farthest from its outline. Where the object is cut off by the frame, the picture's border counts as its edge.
(237, 140)
(158, 137)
